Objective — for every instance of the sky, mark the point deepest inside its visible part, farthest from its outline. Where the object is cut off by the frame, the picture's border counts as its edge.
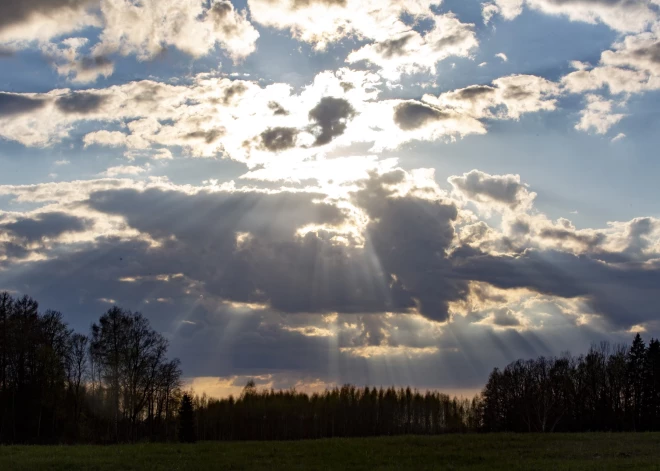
(318, 192)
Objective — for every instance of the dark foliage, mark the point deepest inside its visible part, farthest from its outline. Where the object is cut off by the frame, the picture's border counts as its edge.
(186, 420)
(341, 412)
(608, 389)
(59, 386)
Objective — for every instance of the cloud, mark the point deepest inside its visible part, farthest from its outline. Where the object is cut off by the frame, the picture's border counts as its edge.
(330, 118)
(620, 15)
(277, 139)
(147, 28)
(70, 63)
(105, 138)
(410, 51)
(242, 120)
(413, 115)
(502, 56)
(270, 272)
(507, 98)
(493, 191)
(43, 225)
(598, 115)
(14, 104)
(323, 22)
(631, 66)
(30, 20)
(123, 170)
(80, 103)
(618, 137)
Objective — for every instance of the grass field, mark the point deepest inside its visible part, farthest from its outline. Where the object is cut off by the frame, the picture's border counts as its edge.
(449, 452)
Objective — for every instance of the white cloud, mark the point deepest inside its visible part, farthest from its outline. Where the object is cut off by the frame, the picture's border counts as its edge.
(105, 138)
(147, 27)
(23, 22)
(321, 22)
(411, 52)
(507, 98)
(499, 192)
(69, 63)
(620, 15)
(502, 56)
(618, 137)
(123, 170)
(598, 115)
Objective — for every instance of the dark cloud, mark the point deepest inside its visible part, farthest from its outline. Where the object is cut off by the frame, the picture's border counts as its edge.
(394, 47)
(220, 10)
(482, 187)
(330, 117)
(456, 38)
(27, 234)
(473, 92)
(505, 318)
(411, 115)
(209, 136)
(650, 53)
(278, 110)
(410, 237)
(11, 104)
(590, 241)
(81, 103)
(403, 265)
(4, 53)
(625, 294)
(235, 89)
(16, 12)
(280, 138)
(93, 63)
(516, 92)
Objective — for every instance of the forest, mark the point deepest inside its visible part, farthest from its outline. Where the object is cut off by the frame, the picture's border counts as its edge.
(116, 384)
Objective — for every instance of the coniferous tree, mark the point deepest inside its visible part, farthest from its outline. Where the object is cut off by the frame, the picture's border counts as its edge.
(186, 420)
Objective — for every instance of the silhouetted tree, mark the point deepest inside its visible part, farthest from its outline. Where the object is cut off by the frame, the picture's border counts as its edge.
(186, 420)
(57, 385)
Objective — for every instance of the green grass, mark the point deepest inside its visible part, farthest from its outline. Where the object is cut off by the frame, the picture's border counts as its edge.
(449, 452)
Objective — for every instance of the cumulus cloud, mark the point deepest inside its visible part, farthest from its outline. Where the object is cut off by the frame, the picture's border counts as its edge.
(123, 170)
(197, 259)
(321, 22)
(12, 104)
(411, 51)
(30, 20)
(621, 15)
(71, 63)
(499, 191)
(507, 98)
(235, 118)
(105, 138)
(413, 115)
(146, 28)
(598, 115)
(330, 116)
(631, 66)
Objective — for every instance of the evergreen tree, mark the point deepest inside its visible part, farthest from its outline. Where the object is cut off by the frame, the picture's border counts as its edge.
(636, 367)
(186, 420)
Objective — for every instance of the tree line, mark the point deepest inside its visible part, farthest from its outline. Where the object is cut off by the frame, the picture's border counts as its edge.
(117, 384)
(611, 388)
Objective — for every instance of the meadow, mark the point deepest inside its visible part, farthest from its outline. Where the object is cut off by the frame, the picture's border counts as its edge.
(587, 451)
